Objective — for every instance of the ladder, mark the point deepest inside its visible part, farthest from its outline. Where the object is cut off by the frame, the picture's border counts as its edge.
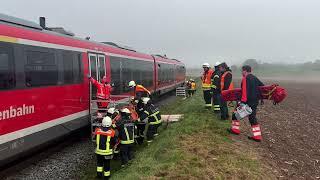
(115, 101)
(181, 91)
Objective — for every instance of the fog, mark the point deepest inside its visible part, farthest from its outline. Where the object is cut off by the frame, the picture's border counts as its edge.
(194, 31)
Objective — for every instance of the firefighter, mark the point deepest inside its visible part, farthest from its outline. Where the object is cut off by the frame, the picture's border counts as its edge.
(193, 87)
(105, 141)
(126, 135)
(215, 80)
(225, 84)
(206, 85)
(112, 113)
(103, 92)
(138, 92)
(151, 115)
(250, 96)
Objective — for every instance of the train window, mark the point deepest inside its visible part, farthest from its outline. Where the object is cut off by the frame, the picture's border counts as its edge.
(115, 74)
(67, 67)
(41, 69)
(72, 67)
(102, 65)
(127, 72)
(77, 68)
(7, 77)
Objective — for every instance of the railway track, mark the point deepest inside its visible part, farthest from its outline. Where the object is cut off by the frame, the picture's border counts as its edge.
(65, 158)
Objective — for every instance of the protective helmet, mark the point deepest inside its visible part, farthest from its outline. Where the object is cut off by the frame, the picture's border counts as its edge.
(206, 65)
(125, 110)
(132, 84)
(145, 100)
(191, 80)
(217, 63)
(106, 122)
(112, 110)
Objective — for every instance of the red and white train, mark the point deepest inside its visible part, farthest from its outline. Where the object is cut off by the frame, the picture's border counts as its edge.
(44, 92)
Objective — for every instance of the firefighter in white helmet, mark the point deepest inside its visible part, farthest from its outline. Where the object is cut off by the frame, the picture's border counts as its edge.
(126, 129)
(105, 141)
(138, 91)
(151, 115)
(215, 84)
(206, 85)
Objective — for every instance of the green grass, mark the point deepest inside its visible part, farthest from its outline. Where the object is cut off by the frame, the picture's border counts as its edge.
(197, 147)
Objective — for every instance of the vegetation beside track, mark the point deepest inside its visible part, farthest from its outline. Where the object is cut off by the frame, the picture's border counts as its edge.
(197, 147)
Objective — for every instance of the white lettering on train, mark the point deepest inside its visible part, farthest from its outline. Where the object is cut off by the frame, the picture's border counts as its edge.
(13, 112)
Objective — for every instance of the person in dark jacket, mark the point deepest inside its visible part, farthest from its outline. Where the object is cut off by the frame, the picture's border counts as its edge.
(126, 135)
(153, 117)
(216, 80)
(226, 83)
(250, 96)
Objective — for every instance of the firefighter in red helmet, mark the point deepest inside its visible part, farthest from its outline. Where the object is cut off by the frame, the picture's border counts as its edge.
(103, 92)
(250, 95)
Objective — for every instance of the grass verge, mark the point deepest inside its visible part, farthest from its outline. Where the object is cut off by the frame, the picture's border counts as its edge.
(197, 147)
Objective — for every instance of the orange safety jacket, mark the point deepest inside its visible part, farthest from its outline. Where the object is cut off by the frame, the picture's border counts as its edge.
(206, 79)
(103, 90)
(140, 91)
(231, 86)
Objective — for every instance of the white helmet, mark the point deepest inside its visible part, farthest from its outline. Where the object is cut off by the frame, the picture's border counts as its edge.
(125, 110)
(217, 63)
(106, 121)
(132, 84)
(206, 65)
(145, 100)
(112, 110)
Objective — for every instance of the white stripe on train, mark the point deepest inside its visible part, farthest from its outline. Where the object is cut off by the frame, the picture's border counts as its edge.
(39, 127)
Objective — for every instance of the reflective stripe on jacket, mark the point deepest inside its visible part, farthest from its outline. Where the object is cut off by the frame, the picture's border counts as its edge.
(206, 79)
(103, 141)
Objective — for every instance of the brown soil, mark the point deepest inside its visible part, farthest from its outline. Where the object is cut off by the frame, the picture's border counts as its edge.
(291, 144)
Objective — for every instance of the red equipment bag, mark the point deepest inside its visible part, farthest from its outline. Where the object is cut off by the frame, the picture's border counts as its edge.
(273, 92)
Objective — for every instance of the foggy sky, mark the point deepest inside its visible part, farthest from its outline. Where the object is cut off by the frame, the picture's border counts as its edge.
(194, 31)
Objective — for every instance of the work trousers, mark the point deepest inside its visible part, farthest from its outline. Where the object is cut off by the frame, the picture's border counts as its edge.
(126, 153)
(103, 166)
(151, 131)
(140, 132)
(224, 110)
(207, 96)
(103, 105)
(216, 102)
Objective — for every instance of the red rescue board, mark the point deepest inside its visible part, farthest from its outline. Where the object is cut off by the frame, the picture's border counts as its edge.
(272, 92)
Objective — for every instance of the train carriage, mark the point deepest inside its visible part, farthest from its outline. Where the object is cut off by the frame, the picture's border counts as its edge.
(44, 92)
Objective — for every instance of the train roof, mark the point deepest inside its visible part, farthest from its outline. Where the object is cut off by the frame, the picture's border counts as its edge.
(114, 48)
(19, 21)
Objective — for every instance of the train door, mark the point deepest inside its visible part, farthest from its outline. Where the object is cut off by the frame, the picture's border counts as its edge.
(97, 63)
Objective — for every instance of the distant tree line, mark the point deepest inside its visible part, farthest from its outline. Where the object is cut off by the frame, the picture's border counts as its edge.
(256, 65)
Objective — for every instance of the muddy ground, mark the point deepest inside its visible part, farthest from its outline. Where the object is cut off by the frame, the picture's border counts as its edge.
(291, 132)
